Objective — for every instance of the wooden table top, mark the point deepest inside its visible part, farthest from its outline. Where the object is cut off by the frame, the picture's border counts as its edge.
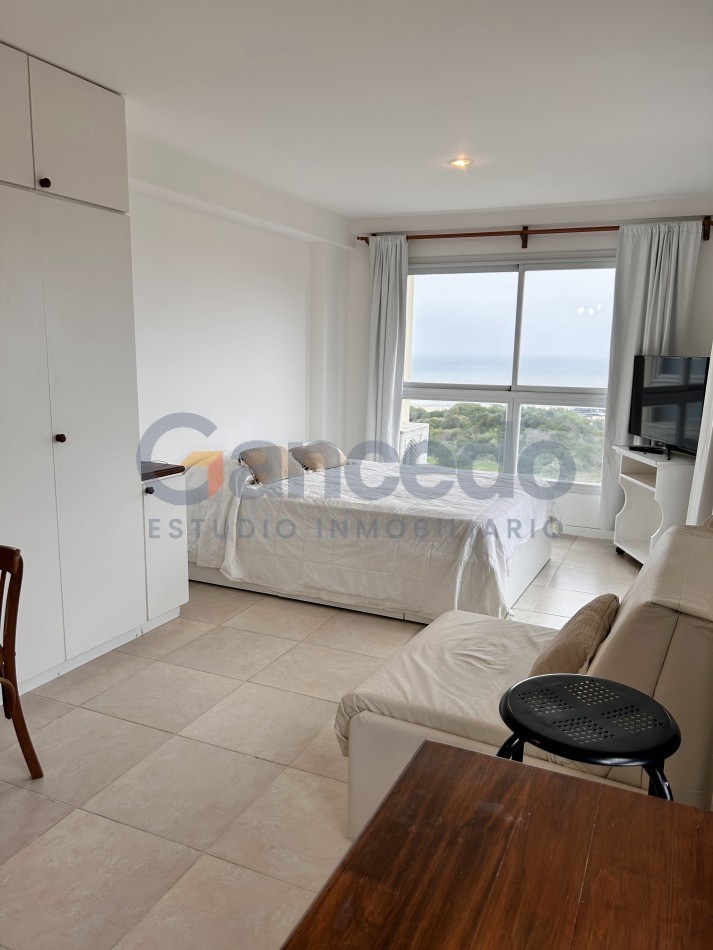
(469, 850)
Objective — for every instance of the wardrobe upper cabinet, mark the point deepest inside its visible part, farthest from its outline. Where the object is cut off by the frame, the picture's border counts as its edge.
(15, 127)
(79, 132)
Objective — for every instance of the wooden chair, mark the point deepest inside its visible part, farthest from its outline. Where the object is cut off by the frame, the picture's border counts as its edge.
(11, 566)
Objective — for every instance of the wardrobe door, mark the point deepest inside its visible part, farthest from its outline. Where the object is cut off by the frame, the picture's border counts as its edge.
(28, 518)
(15, 128)
(79, 133)
(86, 257)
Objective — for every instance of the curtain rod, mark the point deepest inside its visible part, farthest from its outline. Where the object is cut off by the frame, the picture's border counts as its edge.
(525, 232)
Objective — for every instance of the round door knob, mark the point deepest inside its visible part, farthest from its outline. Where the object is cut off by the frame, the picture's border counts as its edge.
(61, 437)
(45, 182)
(149, 490)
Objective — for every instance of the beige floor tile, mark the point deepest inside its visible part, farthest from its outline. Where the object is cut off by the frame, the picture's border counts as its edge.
(23, 816)
(218, 906)
(269, 723)
(547, 573)
(38, 713)
(295, 831)
(94, 677)
(318, 671)
(597, 557)
(84, 883)
(564, 541)
(597, 563)
(238, 654)
(605, 581)
(564, 603)
(164, 696)
(197, 590)
(80, 754)
(186, 791)
(213, 604)
(165, 639)
(364, 633)
(281, 617)
(547, 620)
(593, 544)
(529, 597)
(323, 756)
(519, 615)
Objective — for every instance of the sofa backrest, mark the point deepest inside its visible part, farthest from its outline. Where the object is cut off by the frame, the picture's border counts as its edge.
(662, 644)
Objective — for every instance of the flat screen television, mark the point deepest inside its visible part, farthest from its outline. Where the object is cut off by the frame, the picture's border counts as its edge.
(667, 400)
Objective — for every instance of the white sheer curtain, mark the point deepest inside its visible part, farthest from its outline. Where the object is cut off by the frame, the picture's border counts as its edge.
(655, 270)
(389, 277)
(700, 507)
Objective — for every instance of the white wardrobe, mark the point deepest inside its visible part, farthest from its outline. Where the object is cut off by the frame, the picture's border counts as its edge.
(70, 493)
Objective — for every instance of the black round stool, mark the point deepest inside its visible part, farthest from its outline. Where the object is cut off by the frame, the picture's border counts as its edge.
(591, 720)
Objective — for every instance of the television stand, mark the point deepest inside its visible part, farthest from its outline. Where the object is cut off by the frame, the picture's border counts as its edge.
(656, 493)
(652, 450)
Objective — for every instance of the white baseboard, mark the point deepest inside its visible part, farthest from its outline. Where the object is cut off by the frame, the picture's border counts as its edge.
(41, 678)
(69, 665)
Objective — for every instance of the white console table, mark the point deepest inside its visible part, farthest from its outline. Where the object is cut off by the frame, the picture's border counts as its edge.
(657, 491)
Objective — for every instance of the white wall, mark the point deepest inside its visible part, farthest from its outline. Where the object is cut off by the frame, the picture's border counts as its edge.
(356, 368)
(222, 326)
(159, 169)
(327, 341)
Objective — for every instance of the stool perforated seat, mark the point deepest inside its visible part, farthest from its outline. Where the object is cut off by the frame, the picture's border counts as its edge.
(592, 720)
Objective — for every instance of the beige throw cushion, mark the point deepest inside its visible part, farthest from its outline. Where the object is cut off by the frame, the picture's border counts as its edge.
(573, 648)
(316, 456)
(270, 463)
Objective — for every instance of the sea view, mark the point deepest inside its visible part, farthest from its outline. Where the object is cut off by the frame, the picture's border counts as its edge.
(496, 370)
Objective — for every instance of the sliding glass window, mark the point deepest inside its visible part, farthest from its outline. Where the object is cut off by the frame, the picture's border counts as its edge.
(506, 368)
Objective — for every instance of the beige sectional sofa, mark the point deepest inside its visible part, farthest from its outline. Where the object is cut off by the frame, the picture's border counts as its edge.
(446, 683)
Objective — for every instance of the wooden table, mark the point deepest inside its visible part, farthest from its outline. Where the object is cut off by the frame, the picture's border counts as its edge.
(473, 851)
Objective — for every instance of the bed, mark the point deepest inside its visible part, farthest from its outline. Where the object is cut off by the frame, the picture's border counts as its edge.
(402, 541)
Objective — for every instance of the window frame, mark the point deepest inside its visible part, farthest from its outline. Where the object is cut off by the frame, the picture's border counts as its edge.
(513, 396)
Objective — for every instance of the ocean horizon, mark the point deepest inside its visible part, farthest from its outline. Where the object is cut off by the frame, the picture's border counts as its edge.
(490, 370)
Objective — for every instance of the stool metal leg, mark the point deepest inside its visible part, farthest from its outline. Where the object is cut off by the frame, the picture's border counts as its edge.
(512, 748)
(658, 784)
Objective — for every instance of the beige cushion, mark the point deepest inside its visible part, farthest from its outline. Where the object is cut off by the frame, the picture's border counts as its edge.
(450, 677)
(270, 463)
(572, 649)
(679, 575)
(316, 456)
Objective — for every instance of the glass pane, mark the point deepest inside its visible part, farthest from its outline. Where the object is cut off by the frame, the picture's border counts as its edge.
(562, 443)
(455, 434)
(566, 328)
(461, 328)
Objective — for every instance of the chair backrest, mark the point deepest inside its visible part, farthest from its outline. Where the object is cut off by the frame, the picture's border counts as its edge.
(662, 644)
(10, 584)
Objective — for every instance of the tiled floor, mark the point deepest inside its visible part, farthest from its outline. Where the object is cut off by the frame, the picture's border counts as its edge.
(194, 794)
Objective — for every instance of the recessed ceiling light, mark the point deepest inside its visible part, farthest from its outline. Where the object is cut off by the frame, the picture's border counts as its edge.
(460, 162)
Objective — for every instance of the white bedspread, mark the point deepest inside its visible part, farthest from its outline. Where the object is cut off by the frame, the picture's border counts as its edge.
(369, 534)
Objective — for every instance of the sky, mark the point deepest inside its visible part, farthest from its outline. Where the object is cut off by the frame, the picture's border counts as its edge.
(473, 315)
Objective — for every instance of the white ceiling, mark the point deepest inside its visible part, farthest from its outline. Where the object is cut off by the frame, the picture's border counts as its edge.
(357, 105)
